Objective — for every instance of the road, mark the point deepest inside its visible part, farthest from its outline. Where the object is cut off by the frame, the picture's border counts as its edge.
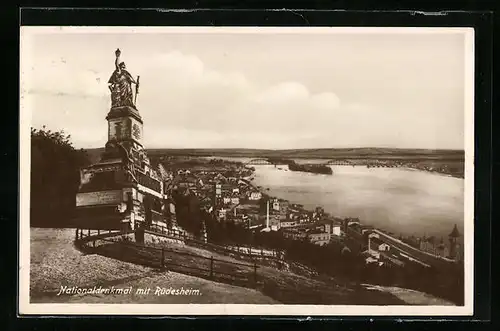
(427, 258)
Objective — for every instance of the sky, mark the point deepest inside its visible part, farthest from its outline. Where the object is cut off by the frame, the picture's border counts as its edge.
(258, 89)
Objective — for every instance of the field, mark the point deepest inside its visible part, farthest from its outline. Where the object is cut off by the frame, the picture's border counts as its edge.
(55, 262)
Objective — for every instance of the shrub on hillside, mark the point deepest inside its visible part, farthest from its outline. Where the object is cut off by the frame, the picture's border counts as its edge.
(55, 177)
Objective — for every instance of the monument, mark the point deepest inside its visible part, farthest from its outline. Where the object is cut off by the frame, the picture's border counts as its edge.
(122, 191)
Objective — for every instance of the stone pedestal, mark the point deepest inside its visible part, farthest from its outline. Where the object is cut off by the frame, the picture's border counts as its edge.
(113, 192)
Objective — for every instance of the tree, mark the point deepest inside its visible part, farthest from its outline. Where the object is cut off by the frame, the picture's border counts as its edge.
(188, 212)
(55, 178)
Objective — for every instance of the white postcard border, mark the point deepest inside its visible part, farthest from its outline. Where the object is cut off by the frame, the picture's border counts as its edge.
(27, 308)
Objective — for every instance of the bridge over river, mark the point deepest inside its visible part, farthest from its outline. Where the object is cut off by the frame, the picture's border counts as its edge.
(283, 162)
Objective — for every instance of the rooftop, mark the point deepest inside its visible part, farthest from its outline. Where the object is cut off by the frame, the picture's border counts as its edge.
(316, 231)
(454, 233)
(376, 241)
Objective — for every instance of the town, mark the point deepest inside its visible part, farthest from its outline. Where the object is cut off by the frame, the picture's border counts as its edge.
(225, 191)
(215, 200)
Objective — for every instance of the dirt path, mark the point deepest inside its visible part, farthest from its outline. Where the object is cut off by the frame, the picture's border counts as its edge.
(56, 263)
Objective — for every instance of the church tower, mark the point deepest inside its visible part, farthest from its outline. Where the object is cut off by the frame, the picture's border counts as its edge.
(453, 238)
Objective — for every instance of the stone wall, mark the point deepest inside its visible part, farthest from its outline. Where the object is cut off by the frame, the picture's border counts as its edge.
(100, 241)
(158, 238)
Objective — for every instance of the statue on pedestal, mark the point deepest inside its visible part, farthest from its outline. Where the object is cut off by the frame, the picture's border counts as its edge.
(120, 85)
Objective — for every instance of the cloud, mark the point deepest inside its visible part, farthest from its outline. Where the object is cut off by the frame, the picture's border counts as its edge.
(282, 94)
(179, 92)
(62, 77)
(185, 103)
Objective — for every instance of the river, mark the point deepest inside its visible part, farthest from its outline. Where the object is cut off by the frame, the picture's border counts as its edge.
(406, 201)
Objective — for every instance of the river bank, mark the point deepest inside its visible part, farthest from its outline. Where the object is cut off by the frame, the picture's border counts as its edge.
(405, 201)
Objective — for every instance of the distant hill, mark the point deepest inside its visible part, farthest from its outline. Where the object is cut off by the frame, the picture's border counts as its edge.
(322, 153)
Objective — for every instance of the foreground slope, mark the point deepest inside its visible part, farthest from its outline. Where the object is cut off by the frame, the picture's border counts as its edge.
(55, 262)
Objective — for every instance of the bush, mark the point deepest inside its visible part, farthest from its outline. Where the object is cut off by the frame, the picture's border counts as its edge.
(188, 212)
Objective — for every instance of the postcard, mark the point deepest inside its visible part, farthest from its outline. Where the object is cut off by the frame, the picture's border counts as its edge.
(246, 171)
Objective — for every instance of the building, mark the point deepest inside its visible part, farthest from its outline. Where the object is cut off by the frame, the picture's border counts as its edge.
(276, 205)
(442, 250)
(354, 230)
(325, 226)
(287, 223)
(428, 245)
(274, 223)
(318, 237)
(305, 218)
(121, 191)
(294, 233)
(454, 245)
(375, 238)
(235, 200)
(383, 247)
(255, 196)
(319, 212)
(337, 230)
(284, 205)
(280, 207)
(366, 229)
(374, 245)
(218, 190)
(222, 213)
(371, 256)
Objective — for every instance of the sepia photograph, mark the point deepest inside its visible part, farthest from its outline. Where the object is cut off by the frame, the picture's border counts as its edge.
(246, 171)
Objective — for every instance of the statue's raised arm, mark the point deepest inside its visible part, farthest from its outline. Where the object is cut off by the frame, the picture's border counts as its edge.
(117, 59)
